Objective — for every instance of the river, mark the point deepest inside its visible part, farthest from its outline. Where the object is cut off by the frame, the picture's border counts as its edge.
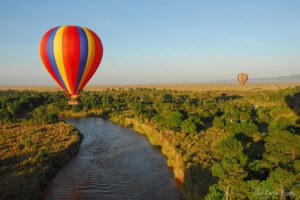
(113, 163)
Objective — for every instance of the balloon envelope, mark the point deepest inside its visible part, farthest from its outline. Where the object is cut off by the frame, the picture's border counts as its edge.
(71, 54)
(242, 78)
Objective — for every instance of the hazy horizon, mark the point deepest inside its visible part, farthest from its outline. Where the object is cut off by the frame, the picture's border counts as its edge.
(156, 42)
(218, 81)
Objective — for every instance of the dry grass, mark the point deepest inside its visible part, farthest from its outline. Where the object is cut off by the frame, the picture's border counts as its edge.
(31, 154)
(190, 87)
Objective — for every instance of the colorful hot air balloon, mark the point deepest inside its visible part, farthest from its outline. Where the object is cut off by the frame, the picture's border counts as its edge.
(71, 54)
(242, 78)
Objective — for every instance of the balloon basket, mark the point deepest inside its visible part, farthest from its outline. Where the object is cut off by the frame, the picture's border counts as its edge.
(73, 102)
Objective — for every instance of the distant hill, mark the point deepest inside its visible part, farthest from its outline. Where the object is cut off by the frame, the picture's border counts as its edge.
(279, 79)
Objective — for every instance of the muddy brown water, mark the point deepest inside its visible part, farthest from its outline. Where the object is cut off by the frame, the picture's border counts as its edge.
(113, 163)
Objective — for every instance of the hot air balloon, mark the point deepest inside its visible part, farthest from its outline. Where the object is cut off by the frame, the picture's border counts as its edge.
(242, 78)
(71, 55)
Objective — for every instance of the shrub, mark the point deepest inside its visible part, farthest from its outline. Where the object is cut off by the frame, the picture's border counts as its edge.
(218, 122)
(42, 115)
(171, 119)
(192, 125)
(41, 155)
(28, 142)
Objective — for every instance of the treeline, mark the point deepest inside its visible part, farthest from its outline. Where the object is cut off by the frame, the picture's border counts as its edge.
(29, 105)
(235, 145)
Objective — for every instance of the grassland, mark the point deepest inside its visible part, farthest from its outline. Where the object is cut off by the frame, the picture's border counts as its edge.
(180, 87)
(31, 154)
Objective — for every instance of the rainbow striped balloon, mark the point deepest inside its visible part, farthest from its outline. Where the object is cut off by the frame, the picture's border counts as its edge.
(71, 54)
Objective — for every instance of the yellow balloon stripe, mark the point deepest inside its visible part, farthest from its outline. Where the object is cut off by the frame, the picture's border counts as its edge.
(58, 54)
(90, 57)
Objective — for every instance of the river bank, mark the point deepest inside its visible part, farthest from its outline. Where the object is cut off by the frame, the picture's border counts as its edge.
(153, 134)
(113, 163)
(161, 139)
(155, 137)
(195, 179)
(31, 154)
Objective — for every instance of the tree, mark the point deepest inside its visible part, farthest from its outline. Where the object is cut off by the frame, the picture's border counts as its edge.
(281, 147)
(279, 124)
(232, 114)
(230, 167)
(263, 114)
(248, 128)
(215, 192)
(170, 119)
(5, 116)
(231, 174)
(42, 115)
(192, 125)
(107, 100)
(281, 180)
(218, 122)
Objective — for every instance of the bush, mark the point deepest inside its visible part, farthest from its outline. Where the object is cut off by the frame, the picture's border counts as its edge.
(171, 119)
(218, 122)
(28, 142)
(188, 126)
(192, 125)
(42, 115)
(280, 124)
(41, 155)
(215, 192)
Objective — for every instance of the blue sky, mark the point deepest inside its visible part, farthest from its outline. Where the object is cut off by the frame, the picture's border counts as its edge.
(152, 41)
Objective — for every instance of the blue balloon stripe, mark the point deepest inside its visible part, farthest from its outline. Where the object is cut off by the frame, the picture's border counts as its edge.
(83, 55)
(50, 52)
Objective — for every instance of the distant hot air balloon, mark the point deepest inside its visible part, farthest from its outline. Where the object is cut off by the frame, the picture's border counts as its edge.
(71, 54)
(242, 78)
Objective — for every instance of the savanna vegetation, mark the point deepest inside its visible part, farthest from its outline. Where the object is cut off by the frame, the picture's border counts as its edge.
(34, 144)
(221, 145)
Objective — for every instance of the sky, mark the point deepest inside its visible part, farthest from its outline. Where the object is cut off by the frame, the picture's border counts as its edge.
(157, 41)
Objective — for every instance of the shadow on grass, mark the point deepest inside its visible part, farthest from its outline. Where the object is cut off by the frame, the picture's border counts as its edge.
(293, 102)
(255, 151)
(252, 149)
(197, 182)
(225, 97)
